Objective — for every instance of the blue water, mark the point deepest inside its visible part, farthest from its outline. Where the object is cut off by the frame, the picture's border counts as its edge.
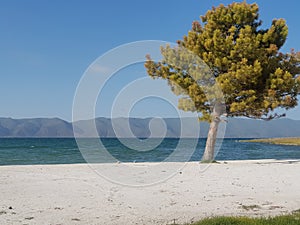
(30, 151)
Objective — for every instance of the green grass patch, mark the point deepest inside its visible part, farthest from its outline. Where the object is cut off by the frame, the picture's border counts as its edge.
(278, 141)
(250, 207)
(292, 219)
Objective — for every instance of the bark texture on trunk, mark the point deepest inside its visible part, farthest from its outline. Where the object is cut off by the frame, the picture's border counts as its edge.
(209, 152)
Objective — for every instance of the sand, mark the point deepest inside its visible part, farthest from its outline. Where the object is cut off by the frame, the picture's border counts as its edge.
(79, 194)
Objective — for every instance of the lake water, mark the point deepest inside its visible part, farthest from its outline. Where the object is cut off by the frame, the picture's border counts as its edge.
(30, 151)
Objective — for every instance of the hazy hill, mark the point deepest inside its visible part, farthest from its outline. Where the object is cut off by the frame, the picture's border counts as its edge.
(37, 127)
(54, 127)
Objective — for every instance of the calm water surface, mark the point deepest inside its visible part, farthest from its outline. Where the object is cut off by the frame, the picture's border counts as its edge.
(30, 151)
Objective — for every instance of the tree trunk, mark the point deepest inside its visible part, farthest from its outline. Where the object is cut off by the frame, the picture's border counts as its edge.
(209, 152)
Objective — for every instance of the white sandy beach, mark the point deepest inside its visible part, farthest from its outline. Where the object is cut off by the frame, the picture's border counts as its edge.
(75, 194)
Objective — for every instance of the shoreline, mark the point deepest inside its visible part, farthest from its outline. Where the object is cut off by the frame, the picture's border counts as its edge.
(288, 141)
(76, 194)
(189, 162)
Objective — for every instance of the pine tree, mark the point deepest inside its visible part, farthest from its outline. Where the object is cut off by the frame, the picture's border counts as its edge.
(255, 78)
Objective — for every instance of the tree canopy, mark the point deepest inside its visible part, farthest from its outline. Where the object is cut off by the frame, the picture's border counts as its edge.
(245, 60)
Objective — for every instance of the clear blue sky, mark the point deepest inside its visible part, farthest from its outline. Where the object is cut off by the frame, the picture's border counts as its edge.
(47, 45)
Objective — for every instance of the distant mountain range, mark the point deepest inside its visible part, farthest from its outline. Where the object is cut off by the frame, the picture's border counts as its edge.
(54, 127)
